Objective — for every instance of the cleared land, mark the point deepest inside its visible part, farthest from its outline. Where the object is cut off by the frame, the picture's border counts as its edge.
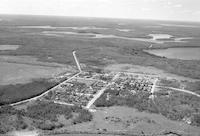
(126, 120)
(15, 93)
(24, 69)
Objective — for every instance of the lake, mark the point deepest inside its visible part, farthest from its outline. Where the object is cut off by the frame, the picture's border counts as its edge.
(160, 36)
(9, 47)
(177, 53)
(155, 38)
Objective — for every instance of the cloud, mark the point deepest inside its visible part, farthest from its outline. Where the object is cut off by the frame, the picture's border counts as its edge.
(169, 3)
(197, 12)
(177, 6)
(145, 9)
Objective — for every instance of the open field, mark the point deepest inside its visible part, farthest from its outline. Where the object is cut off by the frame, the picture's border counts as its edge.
(15, 93)
(24, 69)
(126, 120)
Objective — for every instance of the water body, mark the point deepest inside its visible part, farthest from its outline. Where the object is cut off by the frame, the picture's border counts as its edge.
(94, 35)
(160, 36)
(178, 25)
(39, 27)
(177, 53)
(53, 27)
(168, 38)
(156, 38)
(9, 47)
(124, 30)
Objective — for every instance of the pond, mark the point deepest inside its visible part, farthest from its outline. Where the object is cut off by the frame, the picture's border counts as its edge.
(160, 36)
(9, 47)
(177, 53)
(154, 38)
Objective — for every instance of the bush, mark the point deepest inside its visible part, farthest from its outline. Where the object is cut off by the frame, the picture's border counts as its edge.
(3, 129)
(84, 116)
(47, 125)
(47, 111)
(196, 120)
(8, 110)
(44, 125)
(20, 124)
(102, 102)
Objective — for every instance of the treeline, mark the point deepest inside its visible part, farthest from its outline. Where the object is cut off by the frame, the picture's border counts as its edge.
(14, 93)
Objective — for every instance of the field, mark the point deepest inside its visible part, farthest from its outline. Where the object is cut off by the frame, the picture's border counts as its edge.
(15, 93)
(118, 120)
(21, 70)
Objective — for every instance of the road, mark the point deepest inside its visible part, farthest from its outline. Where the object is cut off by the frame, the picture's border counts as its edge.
(41, 95)
(91, 102)
(63, 103)
(154, 86)
(181, 90)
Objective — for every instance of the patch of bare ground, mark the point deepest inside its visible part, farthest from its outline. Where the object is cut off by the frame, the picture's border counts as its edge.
(24, 133)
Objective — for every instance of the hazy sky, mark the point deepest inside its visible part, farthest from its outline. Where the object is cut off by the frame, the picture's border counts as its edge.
(143, 9)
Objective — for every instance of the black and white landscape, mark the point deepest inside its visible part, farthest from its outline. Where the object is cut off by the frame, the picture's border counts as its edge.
(62, 76)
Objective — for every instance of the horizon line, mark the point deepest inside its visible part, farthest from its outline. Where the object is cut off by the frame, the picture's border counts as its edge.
(117, 18)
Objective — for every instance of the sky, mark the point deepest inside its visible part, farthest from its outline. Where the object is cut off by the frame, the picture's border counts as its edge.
(183, 10)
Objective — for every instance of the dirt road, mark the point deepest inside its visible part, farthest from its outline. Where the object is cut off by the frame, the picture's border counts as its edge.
(101, 92)
(181, 90)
